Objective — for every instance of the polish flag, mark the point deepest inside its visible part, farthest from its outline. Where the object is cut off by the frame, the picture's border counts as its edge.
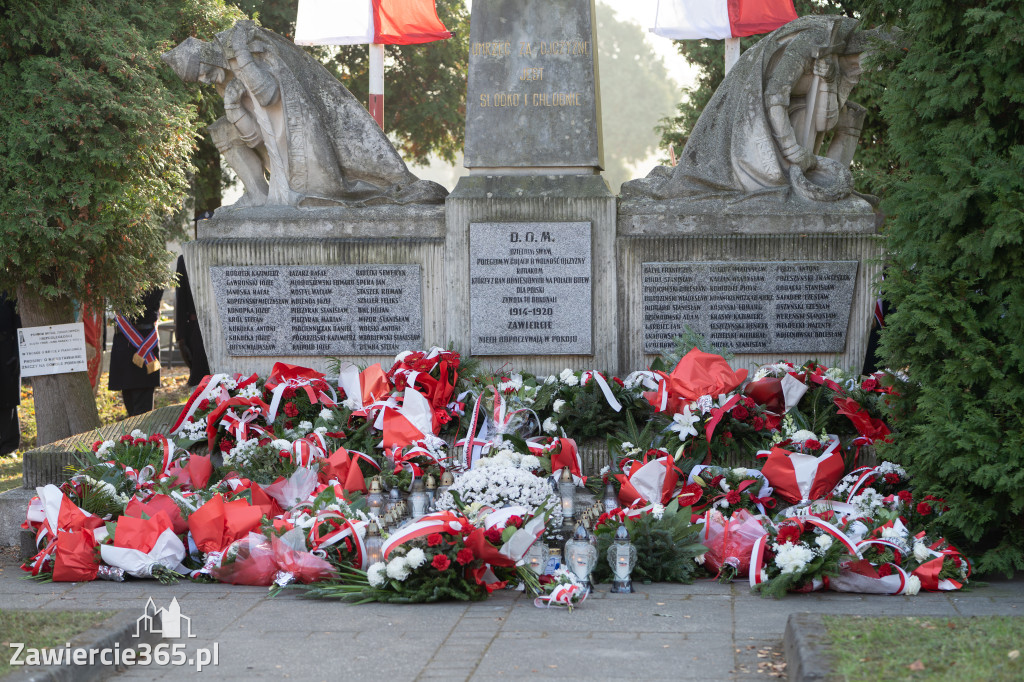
(355, 22)
(720, 19)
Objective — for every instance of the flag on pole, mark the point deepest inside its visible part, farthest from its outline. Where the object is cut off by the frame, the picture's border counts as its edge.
(720, 19)
(354, 22)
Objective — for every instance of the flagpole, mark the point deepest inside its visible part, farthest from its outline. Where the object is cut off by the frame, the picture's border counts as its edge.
(377, 83)
(732, 53)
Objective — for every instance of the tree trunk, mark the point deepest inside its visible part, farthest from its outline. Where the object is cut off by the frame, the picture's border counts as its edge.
(65, 405)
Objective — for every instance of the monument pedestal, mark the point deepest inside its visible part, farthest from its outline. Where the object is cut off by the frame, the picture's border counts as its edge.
(787, 283)
(300, 285)
(524, 252)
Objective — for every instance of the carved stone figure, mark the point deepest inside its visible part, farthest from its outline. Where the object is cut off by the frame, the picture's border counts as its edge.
(292, 133)
(760, 134)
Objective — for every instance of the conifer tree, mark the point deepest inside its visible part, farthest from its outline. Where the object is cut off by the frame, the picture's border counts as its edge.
(954, 104)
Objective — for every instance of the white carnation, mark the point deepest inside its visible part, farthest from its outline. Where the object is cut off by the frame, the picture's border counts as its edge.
(792, 558)
(402, 356)
(375, 575)
(700, 558)
(398, 568)
(108, 445)
(921, 551)
(913, 586)
(305, 426)
(350, 404)
(281, 444)
(568, 377)
(658, 510)
(823, 541)
(557, 406)
(321, 431)
(139, 434)
(327, 415)
(415, 557)
(740, 471)
(550, 426)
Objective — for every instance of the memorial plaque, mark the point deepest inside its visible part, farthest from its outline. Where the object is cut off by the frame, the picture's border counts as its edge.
(530, 288)
(532, 94)
(750, 307)
(319, 309)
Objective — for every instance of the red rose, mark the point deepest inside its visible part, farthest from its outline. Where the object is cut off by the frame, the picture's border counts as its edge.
(290, 410)
(892, 479)
(740, 412)
(516, 521)
(434, 539)
(924, 509)
(441, 562)
(464, 556)
(493, 536)
(772, 421)
(288, 392)
(203, 404)
(758, 423)
(716, 480)
(96, 445)
(869, 384)
(732, 497)
(905, 496)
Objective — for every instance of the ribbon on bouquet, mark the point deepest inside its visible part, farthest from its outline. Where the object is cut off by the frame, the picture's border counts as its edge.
(145, 477)
(928, 572)
(368, 390)
(402, 425)
(239, 425)
(562, 595)
(145, 346)
(797, 477)
(341, 528)
(51, 512)
(283, 376)
(567, 455)
(209, 383)
(438, 522)
(649, 481)
(222, 408)
(603, 385)
(761, 499)
(472, 447)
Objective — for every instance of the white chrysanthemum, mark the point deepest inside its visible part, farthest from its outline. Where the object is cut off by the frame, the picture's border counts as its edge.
(416, 557)
(229, 384)
(529, 463)
(241, 453)
(376, 574)
(398, 568)
(550, 426)
(803, 435)
(497, 486)
(281, 444)
(892, 468)
(823, 541)
(921, 551)
(502, 460)
(792, 558)
(251, 391)
(327, 415)
(913, 586)
(658, 510)
(568, 377)
(557, 406)
(868, 500)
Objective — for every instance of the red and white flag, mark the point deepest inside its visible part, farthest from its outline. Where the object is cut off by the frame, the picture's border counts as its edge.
(354, 22)
(720, 19)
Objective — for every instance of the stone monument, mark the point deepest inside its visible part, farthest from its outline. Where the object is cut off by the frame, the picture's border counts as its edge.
(335, 248)
(754, 239)
(531, 231)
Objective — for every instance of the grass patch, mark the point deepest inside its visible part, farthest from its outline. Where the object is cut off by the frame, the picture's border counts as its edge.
(36, 629)
(10, 472)
(927, 648)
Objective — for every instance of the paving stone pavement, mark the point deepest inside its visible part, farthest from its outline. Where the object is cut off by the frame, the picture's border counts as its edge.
(702, 631)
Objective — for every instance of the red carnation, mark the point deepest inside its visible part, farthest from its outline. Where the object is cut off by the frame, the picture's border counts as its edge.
(812, 444)
(434, 539)
(493, 536)
(96, 445)
(869, 384)
(226, 445)
(740, 412)
(155, 438)
(716, 480)
(288, 392)
(336, 434)
(290, 410)
(619, 381)
(139, 441)
(924, 509)
(203, 404)
(892, 479)
(905, 496)
(732, 497)
(758, 423)
(126, 438)
(516, 521)
(289, 424)
(464, 556)
(441, 562)
(772, 421)
(884, 571)
(655, 454)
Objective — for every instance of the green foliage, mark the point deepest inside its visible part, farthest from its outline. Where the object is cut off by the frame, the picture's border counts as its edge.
(665, 547)
(956, 242)
(424, 85)
(687, 341)
(95, 138)
(873, 160)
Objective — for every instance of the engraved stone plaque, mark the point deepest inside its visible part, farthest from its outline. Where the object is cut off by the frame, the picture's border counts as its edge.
(530, 288)
(532, 93)
(750, 307)
(283, 310)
